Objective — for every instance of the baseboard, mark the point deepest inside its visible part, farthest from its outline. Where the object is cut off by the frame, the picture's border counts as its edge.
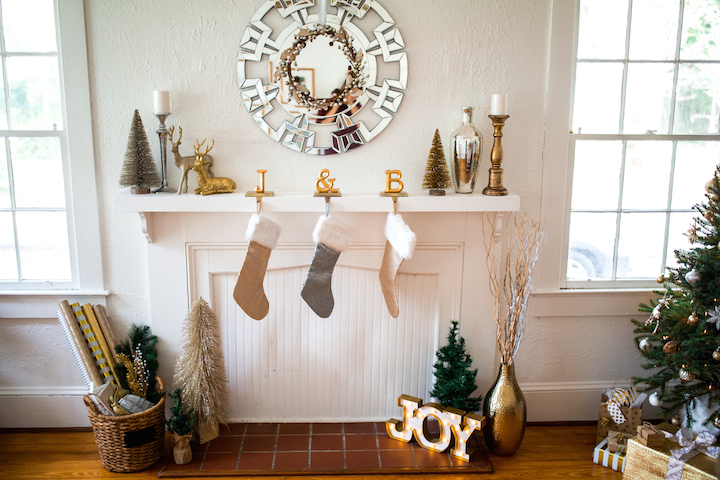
(62, 407)
(43, 407)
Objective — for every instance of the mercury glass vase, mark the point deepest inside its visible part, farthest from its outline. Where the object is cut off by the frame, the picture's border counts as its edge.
(466, 145)
(505, 414)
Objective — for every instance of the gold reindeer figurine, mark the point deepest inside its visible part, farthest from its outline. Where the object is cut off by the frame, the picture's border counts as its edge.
(209, 185)
(185, 164)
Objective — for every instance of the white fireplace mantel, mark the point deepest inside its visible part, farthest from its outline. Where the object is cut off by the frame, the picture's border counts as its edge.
(146, 205)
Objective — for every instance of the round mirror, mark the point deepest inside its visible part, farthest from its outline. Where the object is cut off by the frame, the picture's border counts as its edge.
(323, 76)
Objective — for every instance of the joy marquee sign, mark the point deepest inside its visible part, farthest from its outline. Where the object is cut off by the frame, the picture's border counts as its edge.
(451, 420)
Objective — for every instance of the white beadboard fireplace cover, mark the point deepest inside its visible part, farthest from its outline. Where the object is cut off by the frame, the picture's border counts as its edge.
(294, 366)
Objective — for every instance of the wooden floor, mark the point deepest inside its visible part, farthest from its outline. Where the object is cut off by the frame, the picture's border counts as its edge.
(547, 452)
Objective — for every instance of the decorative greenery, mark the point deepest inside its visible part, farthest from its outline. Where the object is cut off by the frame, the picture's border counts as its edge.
(687, 313)
(139, 167)
(454, 379)
(139, 348)
(182, 420)
(355, 80)
(437, 175)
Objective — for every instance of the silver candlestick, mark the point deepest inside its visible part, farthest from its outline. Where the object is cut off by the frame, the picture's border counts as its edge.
(162, 134)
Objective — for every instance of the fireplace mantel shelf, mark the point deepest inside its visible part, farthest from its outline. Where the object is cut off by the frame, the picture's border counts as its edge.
(145, 205)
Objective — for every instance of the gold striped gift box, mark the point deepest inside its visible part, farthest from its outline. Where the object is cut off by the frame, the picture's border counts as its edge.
(603, 457)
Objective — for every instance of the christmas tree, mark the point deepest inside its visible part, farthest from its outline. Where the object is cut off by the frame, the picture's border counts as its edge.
(681, 338)
(181, 421)
(138, 170)
(200, 370)
(454, 380)
(437, 175)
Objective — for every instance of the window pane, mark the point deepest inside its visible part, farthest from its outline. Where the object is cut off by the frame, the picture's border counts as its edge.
(695, 164)
(29, 25)
(647, 175)
(592, 241)
(43, 244)
(596, 176)
(603, 27)
(647, 98)
(8, 262)
(4, 182)
(653, 30)
(34, 92)
(597, 97)
(642, 236)
(677, 235)
(37, 172)
(698, 95)
(701, 30)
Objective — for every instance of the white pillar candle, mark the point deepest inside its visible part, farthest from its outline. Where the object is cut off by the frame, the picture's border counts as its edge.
(322, 16)
(498, 105)
(161, 102)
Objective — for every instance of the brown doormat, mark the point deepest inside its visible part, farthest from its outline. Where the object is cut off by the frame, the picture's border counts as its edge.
(255, 449)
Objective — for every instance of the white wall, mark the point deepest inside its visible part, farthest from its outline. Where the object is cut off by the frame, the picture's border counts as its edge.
(460, 52)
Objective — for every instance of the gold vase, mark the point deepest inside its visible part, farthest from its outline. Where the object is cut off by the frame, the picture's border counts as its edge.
(505, 414)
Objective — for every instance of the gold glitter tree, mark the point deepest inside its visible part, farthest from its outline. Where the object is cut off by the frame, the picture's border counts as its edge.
(437, 175)
(200, 371)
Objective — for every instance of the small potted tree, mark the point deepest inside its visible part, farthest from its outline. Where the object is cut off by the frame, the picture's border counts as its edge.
(181, 426)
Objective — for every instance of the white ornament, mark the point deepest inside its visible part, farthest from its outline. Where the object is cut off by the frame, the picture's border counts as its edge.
(645, 345)
(714, 317)
(692, 277)
(654, 400)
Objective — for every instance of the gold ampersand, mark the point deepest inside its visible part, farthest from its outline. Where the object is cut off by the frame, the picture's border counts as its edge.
(327, 183)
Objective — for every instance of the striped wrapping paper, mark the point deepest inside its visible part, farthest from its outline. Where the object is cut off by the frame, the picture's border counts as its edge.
(603, 457)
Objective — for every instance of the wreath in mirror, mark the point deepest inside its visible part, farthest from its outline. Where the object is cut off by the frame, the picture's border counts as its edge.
(322, 80)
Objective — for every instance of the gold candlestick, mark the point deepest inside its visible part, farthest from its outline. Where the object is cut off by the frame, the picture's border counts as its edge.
(495, 186)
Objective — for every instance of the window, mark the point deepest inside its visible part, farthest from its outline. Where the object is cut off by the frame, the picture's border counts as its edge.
(644, 138)
(47, 186)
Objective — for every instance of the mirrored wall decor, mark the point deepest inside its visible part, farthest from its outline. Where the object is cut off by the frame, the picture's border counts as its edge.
(324, 78)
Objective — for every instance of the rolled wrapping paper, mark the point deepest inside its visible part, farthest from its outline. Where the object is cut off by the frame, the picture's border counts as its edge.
(100, 337)
(101, 316)
(77, 336)
(75, 350)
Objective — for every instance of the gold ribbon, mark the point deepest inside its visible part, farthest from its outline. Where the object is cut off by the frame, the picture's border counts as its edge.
(605, 422)
(620, 437)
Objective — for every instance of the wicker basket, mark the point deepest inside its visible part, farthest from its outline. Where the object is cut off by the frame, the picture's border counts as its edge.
(128, 443)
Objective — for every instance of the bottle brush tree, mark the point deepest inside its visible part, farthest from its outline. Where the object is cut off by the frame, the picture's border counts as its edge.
(138, 170)
(200, 371)
(680, 341)
(454, 376)
(437, 175)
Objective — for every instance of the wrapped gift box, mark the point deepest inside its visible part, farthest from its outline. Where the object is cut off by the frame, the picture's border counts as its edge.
(602, 456)
(617, 442)
(648, 463)
(650, 436)
(606, 423)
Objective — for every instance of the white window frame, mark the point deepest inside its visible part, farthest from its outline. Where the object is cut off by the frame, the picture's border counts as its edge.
(558, 161)
(79, 176)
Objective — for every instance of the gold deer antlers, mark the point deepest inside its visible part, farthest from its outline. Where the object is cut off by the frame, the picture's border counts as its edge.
(199, 155)
(171, 131)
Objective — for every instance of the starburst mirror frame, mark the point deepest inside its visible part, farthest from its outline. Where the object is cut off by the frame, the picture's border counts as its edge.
(351, 126)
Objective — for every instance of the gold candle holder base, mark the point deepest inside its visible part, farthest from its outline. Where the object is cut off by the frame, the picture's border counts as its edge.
(495, 186)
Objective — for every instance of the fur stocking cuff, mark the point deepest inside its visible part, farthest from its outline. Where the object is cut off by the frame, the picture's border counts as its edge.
(263, 231)
(332, 233)
(400, 236)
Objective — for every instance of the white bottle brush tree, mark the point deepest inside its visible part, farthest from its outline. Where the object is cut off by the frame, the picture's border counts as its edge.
(200, 371)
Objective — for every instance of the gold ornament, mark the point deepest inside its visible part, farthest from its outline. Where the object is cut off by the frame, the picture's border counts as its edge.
(661, 279)
(716, 355)
(672, 347)
(605, 422)
(693, 319)
(693, 233)
(676, 421)
(620, 437)
(686, 375)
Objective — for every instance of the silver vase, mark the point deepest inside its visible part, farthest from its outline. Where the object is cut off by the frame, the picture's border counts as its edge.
(466, 144)
(505, 413)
